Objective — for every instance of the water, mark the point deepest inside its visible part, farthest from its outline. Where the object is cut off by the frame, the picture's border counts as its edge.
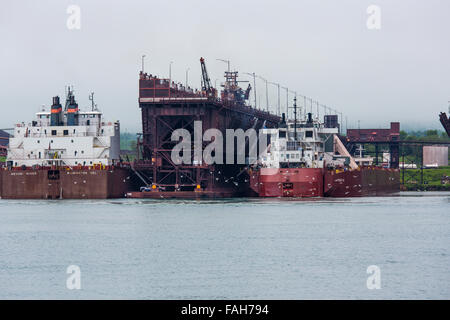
(227, 249)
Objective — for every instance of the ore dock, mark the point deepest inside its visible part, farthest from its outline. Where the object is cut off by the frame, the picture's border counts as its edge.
(167, 106)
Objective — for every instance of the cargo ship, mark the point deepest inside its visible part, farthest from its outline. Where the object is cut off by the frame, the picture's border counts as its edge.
(65, 153)
(308, 159)
(68, 153)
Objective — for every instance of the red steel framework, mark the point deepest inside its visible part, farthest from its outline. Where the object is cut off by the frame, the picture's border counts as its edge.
(167, 106)
(390, 137)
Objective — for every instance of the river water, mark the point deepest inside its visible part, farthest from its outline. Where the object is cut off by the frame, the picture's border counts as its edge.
(227, 249)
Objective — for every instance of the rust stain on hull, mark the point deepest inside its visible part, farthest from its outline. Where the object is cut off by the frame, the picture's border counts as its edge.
(65, 184)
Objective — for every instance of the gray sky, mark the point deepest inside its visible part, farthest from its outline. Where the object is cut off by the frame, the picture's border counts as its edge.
(320, 49)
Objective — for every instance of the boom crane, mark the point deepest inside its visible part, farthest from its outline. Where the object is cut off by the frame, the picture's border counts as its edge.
(206, 82)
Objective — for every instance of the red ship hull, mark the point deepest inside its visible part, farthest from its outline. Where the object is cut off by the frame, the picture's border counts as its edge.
(311, 182)
(65, 183)
(289, 182)
(365, 181)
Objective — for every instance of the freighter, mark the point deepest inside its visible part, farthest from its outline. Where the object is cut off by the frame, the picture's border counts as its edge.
(308, 159)
(65, 153)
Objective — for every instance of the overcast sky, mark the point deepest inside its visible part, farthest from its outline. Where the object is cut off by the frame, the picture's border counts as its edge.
(321, 49)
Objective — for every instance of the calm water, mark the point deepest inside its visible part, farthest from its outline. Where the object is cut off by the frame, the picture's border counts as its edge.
(240, 249)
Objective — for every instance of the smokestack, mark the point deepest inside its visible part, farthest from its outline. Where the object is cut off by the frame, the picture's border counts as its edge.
(72, 112)
(56, 113)
(282, 123)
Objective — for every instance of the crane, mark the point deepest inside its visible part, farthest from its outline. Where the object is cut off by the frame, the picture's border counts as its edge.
(206, 82)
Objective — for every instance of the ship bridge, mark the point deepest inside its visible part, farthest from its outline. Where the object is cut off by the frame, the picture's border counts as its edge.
(68, 137)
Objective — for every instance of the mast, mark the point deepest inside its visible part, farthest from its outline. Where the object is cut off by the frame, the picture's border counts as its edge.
(91, 97)
(295, 118)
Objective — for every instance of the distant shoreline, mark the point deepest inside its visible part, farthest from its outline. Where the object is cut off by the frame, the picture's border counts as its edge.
(408, 187)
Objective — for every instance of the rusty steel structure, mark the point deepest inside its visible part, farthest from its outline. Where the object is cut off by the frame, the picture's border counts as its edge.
(377, 137)
(167, 106)
(445, 121)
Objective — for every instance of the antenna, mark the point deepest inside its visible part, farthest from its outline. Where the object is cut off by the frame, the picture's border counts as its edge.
(295, 117)
(69, 94)
(91, 97)
(143, 57)
(318, 113)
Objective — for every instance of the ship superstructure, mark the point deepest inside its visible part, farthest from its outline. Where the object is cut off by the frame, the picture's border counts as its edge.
(306, 158)
(305, 144)
(65, 137)
(295, 159)
(65, 153)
